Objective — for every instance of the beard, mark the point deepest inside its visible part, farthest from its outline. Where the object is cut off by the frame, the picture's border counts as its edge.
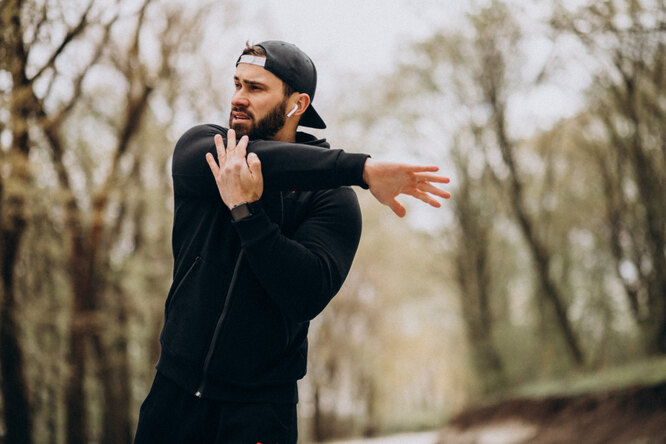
(264, 128)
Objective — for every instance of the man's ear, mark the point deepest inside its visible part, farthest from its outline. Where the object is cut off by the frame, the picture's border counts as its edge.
(303, 102)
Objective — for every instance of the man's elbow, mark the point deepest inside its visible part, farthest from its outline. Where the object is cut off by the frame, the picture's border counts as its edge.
(308, 305)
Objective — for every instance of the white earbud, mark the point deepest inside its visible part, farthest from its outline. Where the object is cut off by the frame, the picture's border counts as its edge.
(291, 113)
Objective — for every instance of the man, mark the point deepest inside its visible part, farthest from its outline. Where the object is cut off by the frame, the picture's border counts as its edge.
(265, 232)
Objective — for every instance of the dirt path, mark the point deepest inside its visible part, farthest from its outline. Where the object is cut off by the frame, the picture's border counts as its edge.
(635, 415)
(405, 438)
(631, 415)
(503, 432)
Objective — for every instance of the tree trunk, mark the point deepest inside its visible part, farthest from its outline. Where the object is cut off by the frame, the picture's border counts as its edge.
(474, 282)
(75, 399)
(538, 250)
(318, 429)
(114, 375)
(478, 328)
(17, 414)
(371, 427)
(80, 328)
(650, 185)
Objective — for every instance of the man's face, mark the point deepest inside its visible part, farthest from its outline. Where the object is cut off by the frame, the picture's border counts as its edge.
(258, 106)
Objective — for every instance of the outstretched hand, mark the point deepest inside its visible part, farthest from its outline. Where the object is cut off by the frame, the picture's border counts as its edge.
(238, 177)
(387, 180)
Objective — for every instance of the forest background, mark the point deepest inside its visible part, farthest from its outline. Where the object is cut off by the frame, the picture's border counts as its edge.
(550, 259)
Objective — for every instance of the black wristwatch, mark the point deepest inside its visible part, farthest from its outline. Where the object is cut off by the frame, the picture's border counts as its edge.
(244, 209)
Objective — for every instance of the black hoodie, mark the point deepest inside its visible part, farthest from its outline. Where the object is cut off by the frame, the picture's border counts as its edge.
(243, 293)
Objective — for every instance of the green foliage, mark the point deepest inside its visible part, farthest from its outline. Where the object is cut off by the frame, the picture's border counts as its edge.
(573, 206)
(634, 374)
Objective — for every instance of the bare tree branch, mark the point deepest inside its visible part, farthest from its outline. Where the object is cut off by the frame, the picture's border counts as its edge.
(38, 26)
(71, 35)
(78, 82)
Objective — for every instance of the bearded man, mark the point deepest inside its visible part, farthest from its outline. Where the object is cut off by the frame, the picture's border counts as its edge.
(265, 231)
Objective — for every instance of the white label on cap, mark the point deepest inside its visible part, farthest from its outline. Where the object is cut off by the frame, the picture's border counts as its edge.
(253, 60)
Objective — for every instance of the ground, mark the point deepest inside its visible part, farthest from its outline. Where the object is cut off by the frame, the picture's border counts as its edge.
(618, 405)
(634, 415)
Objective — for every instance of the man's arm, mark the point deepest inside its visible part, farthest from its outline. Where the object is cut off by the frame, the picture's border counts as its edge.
(290, 166)
(285, 166)
(304, 272)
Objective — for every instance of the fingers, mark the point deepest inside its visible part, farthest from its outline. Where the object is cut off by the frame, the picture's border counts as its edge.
(431, 178)
(238, 149)
(254, 164)
(425, 197)
(241, 147)
(221, 152)
(420, 168)
(231, 139)
(397, 208)
(430, 188)
(233, 148)
(211, 163)
(424, 190)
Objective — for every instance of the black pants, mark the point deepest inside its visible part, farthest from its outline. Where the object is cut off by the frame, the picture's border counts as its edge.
(171, 415)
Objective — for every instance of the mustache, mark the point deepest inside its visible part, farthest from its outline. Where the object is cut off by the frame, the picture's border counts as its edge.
(242, 110)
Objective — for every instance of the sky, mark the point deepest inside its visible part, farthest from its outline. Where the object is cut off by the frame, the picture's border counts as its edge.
(361, 40)
(346, 39)
(359, 36)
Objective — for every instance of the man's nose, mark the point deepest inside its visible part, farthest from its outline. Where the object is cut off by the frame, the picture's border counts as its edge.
(239, 98)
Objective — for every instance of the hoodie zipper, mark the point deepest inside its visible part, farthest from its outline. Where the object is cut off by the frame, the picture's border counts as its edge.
(218, 327)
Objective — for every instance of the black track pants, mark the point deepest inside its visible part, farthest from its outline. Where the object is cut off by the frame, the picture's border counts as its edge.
(171, 415)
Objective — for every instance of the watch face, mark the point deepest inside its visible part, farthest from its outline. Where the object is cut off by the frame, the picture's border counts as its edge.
(240, 211)
(243, 210)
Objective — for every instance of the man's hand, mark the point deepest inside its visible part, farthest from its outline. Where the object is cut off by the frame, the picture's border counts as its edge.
(387, 180)
(238, 178)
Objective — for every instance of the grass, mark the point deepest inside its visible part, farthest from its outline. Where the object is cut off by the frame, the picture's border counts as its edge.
(641, 373)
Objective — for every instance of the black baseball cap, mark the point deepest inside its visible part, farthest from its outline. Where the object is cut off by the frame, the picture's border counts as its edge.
(295, 68)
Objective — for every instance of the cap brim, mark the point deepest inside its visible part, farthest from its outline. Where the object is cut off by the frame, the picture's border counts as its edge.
(311, 119)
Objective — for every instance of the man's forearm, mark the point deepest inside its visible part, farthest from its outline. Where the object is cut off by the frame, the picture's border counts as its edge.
(292, 166)
(285, 166)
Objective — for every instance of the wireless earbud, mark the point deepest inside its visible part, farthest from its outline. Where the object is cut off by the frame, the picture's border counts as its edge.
(291, 113)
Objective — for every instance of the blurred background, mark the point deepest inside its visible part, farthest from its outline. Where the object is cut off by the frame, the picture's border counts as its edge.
(544, 275)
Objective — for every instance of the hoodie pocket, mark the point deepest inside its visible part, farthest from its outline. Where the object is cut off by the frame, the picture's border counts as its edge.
(188, 274)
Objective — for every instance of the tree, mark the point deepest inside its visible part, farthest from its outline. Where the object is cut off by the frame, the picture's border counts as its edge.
(480, 62)
(470, 74)
(21, 30)
(94, 230)
(90, 131)
(624, 132)
(474, 213)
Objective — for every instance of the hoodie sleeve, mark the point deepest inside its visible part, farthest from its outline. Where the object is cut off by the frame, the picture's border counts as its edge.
(285, 166)
(303, 273)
